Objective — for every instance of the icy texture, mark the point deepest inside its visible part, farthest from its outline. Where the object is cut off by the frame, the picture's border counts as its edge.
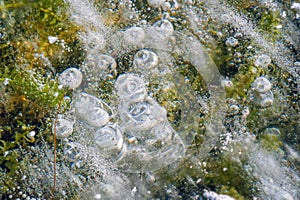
(70, 78)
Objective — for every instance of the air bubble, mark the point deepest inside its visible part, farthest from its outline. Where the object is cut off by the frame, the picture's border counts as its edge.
(265, 99)
(261, 85)
(141, 115)
(145, 59)
(63, 127)
(100, 65)
(70, 78)
(72, 151)
(109, 140)
(231, 42)
(155, 3)
(134, 36)
(262, 61)
(131, 88)
(91, 109)
(164, 28)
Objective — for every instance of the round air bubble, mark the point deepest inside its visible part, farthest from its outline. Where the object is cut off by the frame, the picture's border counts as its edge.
(145, 59)
(63, 127)
(131, 88)
(272, 131)
(134, 35)
(142, 115)
(231, 42)
(261, 85)
(164, 28)
(72, 151)
(156, 3)
(109, 140)
(265, 99)
(262, 61)
(70, 78)
(106, 62)
(96, 117)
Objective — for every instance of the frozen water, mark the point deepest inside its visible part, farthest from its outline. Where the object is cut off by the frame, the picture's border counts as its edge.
(70, 78)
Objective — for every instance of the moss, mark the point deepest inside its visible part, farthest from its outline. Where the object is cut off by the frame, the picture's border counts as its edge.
(271, 142)
(269, 23)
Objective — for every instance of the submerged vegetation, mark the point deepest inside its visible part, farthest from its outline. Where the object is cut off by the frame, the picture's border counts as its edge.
(39, 40)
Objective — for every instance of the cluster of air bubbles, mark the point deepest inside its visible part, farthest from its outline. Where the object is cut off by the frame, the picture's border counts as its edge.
(91, 109)
(151, 141)
(71, 78)
(263, 61)
(261, 93)
(231, 42)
